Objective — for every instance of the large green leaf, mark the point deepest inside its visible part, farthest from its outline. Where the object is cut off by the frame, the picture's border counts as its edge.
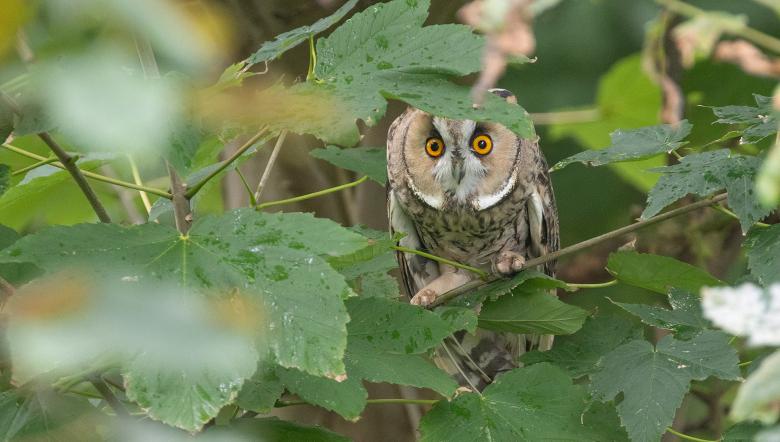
(757, 398)
(685, 317)
(262, 390)
(626, 98)
(579, 353)
(654, 381)
(273, 256)
(347, 397)
(658, 273)
(633, 145)
(759, 121)
(526, 404)
(383, 53)
(371, 161)
(763, 253)
(705, 173)
(531, 311)
(14, 273)
(271, 50)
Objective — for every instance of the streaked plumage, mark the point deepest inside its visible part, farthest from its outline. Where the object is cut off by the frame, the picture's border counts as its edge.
(489, 210)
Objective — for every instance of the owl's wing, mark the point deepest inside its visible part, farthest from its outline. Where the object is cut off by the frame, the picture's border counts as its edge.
(543, 217)
(416, 271)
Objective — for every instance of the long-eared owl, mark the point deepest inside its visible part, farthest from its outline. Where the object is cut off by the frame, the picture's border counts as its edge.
(475, 193)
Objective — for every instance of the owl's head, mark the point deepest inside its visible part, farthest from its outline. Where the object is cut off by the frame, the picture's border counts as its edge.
(460, 162)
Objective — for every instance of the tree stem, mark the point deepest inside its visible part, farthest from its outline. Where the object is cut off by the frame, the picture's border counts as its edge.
(181, 204)
(481, 273)
(249, 143)
(270, 165)
(92, 175)
(757, 37)
(311, 195)
(471, 285)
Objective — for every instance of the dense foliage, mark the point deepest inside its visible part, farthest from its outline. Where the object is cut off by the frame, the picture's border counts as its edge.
(203, 321)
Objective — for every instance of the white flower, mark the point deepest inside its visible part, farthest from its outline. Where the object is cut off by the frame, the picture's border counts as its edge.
(745, 310)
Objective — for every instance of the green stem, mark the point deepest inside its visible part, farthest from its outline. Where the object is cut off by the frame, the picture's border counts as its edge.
(33, 166)
(91, 175)
(249, 143)
(311, 195)
(728, 212)
(577, 286)
(744, 364)
(252, 200)
(280, 404)
(686, 437)
(757, 37)
(482, 274)
(312, 59)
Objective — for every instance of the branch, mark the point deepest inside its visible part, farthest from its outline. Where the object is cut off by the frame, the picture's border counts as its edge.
(270, 165)
(281, 404)
(181, 204)
(471, 285)
(68, 163)
(686, 437)
(92, 175)
(757, 37)
(482, 274)
(311, 195)
(139, 182)
(33, 166)
(196, 188)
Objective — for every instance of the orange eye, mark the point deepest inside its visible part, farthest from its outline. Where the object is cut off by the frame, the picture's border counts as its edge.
(482, 144)
(434, 147)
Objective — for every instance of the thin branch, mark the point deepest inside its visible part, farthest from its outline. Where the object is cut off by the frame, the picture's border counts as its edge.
(33, 166)
(252, 201)
(181, 204)
(481, 273)
(566, 117)
(108, 396)
(686, 437)
(576, 286)
(92, 175)
(249, 143)
(281, 404)
(68, 163)
(270, 165)
(531, 263)
(757, 37)
(126, 197)
(311, 195)
(139, 182)
(731, 214)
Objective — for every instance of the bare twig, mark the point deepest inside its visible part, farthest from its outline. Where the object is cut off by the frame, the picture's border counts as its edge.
(270, 165)
(181, 204)
(531, 263)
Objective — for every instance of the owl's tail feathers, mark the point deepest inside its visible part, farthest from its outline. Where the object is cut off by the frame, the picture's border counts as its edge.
(476, 360)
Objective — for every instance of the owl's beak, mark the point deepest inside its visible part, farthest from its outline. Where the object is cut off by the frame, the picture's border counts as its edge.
(458, 172)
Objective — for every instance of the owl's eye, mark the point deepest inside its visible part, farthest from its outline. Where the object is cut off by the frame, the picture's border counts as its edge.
(482, 144)
(434, 147)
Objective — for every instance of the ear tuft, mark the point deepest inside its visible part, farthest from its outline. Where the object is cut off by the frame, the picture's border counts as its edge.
(505, 94)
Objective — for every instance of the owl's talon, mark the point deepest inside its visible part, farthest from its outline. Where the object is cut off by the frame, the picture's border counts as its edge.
(509, 262)
(424, 297)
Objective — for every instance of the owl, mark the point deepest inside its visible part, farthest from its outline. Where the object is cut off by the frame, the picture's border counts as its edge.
(475, 193)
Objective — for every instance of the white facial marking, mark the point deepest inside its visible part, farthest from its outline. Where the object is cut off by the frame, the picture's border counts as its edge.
(485, 202)
(434, 201)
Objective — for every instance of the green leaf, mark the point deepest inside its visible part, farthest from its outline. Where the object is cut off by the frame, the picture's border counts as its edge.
(658, 273)
(5, 178)
(531, 311)
(273, 49)
(654, 380)
(634, 145)
(502, 286)
(705, 173)
(459, 318)
(260, 392)
(16, 274)
(347, 398)
(759, 121)
(6, 121)
(269, 429)
(371, 161)
(276, 257)
(532, 403)
(763, 253)
(40, 414)
(757, 398)
(626, 98)
(385, 53)
(184, 143)
(684, 319)
(742, 432)
(579, 353)
(376, 285)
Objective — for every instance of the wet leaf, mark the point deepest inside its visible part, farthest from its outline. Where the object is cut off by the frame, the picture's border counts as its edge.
(578, 354)
(654, 380)
(763, 253)
(658, 273)
(260, 392)
(532, 403)
(759, 121)
(705, 173)
(530, 310)
(347, 398)
(371, 161)
(631, 145)
(495, 289)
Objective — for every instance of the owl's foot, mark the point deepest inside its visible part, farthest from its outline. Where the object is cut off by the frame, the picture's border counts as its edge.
(509, 262)
(424, 297)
